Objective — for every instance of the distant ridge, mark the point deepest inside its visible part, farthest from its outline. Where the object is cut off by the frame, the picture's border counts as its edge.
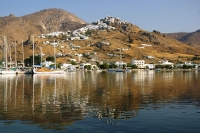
(188, 38)
(44, 21)
(101, 39)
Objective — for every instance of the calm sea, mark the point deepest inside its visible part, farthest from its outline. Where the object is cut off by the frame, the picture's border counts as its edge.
(101, 102)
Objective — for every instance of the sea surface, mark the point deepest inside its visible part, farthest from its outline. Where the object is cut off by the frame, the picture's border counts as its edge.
(101, 102)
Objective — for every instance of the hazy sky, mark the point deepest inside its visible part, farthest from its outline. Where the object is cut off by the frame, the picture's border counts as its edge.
(166, 16)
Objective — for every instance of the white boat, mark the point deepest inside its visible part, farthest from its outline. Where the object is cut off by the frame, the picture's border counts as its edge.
(8, 72)
(119, 70)
(115, 70)
(111, 70)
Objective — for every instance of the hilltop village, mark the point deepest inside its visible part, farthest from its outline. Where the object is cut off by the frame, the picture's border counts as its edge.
(70, 54)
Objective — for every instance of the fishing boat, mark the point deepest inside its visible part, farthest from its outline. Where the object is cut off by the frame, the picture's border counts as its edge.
(44, 70)
(47, 71)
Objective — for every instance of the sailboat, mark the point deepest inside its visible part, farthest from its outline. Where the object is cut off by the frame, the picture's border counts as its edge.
(23, 70)
(119, 69)
(43, 70)
(7, 70)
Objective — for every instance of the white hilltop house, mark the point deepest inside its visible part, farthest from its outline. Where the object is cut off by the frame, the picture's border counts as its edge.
(80, 33)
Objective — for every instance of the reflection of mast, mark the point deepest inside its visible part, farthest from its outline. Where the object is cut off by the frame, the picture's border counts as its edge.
(33, 95)
(55, 91)
(5, 95)
(23, 93)
(16, 90)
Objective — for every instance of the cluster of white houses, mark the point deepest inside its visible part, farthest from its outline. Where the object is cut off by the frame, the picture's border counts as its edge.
(141, 64)
(79, 34)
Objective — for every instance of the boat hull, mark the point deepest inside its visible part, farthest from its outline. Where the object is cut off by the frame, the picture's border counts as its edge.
(8, 72)
(48, 72)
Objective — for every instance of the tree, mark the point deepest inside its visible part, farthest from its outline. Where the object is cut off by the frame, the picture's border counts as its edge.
(88, 67)
(73, 63)
(50, 58)
(129, 65)
(29, 61)
(159, 66)
(134, 66)
(104, 66)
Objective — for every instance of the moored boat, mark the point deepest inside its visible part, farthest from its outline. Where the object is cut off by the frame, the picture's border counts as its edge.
(47, 71)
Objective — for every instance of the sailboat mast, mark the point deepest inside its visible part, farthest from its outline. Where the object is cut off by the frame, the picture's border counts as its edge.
(10, 55)
(55, 53)
(15, 56)
(5, 48)
(33, 53)
(23, 53)
(41, 55)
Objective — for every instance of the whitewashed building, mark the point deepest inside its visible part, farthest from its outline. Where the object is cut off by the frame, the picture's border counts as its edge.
(150, 66)
(165, 62)
(139, 63)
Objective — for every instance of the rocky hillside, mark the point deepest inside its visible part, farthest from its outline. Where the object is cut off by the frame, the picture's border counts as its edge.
(109, 37)
(188, 38)
(104, 40)
(45, 21)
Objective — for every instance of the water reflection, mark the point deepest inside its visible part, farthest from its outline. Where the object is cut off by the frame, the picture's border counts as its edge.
(56, 101)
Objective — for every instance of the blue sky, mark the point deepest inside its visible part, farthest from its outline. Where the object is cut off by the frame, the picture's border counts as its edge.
(166, 16)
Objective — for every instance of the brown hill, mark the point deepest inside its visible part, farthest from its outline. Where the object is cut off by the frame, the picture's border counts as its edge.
(45, 21)
(102, 45)
(188, 38)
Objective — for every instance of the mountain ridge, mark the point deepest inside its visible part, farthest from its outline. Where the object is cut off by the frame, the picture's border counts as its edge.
(44, 21)
(111, 35)
(187, 37)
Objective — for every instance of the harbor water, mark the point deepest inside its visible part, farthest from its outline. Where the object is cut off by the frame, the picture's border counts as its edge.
(101, 102)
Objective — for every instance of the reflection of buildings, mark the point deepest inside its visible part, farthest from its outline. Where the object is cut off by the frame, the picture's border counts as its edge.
(63, 99)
